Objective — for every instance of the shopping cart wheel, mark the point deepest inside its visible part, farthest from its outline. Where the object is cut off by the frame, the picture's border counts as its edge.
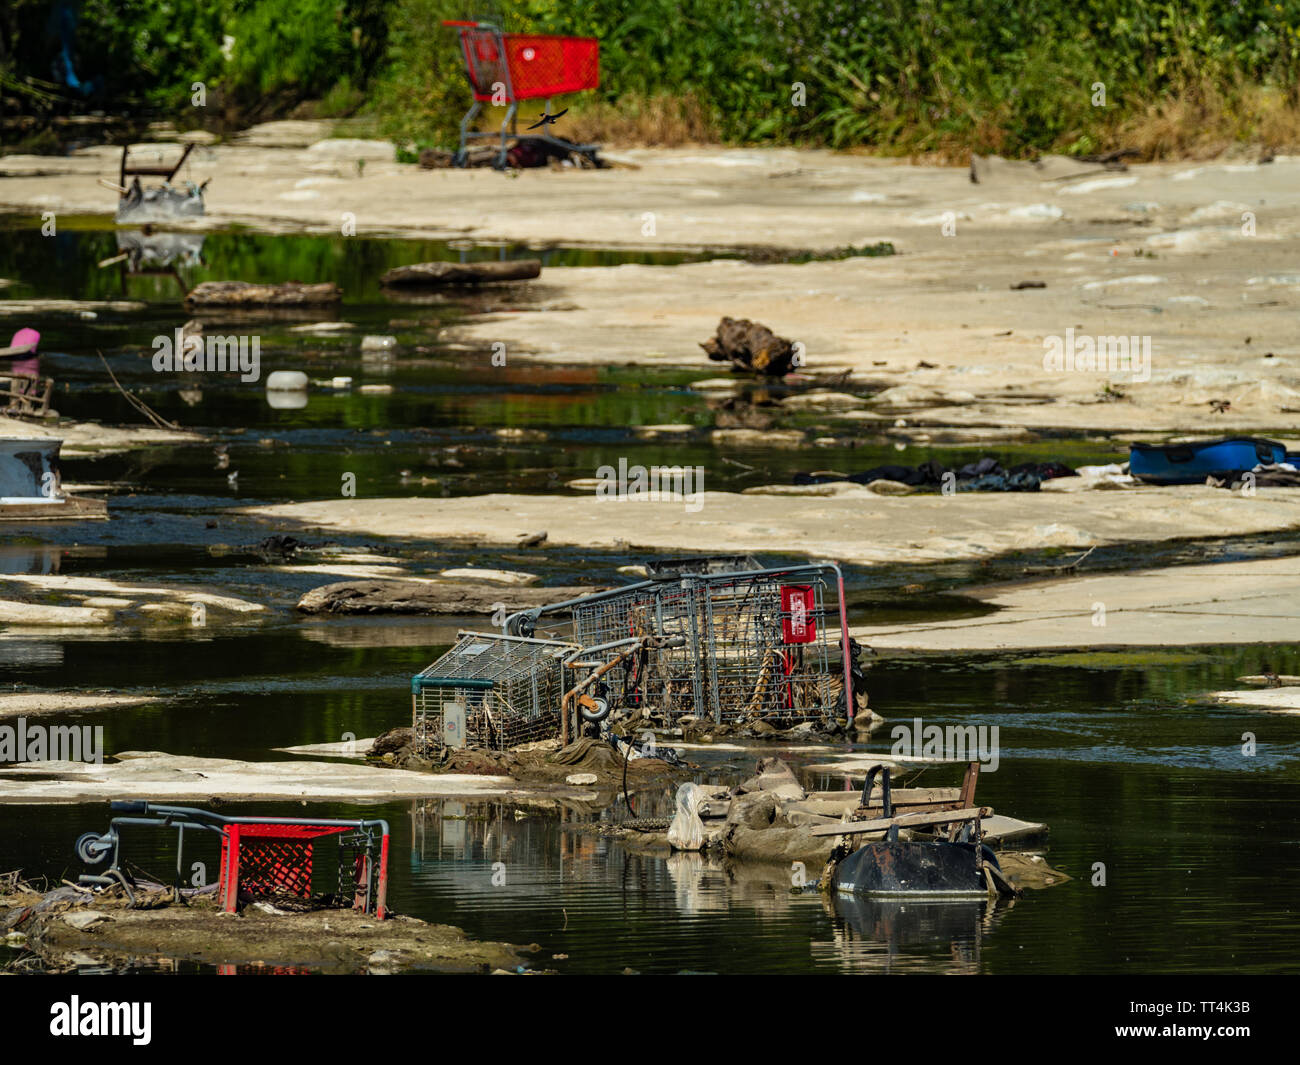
(460, 159)
(596, 712)
(523, 623)
(92, 848)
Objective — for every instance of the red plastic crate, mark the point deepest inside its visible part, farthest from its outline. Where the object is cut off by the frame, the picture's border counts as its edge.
(275, 860)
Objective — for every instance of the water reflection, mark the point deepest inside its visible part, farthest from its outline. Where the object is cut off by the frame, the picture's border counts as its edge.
(612, 904)
(881, 935)
(29, 558)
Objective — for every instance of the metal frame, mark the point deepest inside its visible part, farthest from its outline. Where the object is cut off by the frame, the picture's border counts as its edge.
(500, 72)
(167, 173)
(25, 395)
(371, 883)
(510, 686)
(719, 638)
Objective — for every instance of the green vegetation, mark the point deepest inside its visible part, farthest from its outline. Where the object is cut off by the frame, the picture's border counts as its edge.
(932, 76)
(256, 58)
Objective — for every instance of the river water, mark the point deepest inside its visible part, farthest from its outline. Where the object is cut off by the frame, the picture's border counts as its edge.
(1138, 777)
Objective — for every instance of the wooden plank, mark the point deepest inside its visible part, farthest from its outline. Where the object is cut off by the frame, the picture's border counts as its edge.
(900, 795)
(878, 824)
(877, 810)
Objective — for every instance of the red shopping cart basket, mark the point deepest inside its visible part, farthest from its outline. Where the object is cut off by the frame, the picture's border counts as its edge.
(504, 68)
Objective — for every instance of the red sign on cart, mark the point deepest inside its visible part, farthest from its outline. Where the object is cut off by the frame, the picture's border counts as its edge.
(798, 613)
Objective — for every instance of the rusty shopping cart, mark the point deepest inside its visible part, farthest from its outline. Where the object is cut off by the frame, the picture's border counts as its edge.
(505, 68)
(738, 647)
(492, 691)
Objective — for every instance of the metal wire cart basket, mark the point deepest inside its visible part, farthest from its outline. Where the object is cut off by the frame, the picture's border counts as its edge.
(504, 68)
(736, 647)
(731, 647)
(272, 858)
(490, 691)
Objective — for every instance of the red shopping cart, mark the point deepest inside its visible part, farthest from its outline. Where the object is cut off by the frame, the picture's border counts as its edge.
(504, 68)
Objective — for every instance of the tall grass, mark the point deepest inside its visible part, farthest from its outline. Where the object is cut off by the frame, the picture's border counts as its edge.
(896, 76)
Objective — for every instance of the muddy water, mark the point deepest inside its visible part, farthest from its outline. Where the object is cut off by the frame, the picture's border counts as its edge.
(1115, 754)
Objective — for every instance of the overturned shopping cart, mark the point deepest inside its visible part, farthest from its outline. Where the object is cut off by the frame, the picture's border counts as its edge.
(262, 858)
(505, 68)
(490, 690)
(759, 644)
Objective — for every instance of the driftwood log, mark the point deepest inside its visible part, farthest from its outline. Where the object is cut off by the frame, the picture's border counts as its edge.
(430, 274)
(751, 347)
(246, 294)
(423, 597)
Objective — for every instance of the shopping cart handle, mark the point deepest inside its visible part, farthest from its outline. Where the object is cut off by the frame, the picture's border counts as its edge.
(458, 22)
(128, 806)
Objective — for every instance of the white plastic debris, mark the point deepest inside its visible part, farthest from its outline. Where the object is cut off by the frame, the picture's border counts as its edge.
(286, 381)
(686, 833)
(83, 919)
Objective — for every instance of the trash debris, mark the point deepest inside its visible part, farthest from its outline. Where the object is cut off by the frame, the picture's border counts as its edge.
(743, 647)
(526, 67)
(776, 777)
(261, 857)
(46, 923)
(1265, 475)
(24, 393)
(286, 381)
(959, 866)
(85, 919)
(29, 471)
(1190, 462)
(986, 475)
(31, 488)
(686, 833)
(751, 347)
(158, 203)
(490, 691)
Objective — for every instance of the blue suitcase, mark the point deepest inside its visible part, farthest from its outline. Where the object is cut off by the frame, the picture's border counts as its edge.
(1192, 462)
